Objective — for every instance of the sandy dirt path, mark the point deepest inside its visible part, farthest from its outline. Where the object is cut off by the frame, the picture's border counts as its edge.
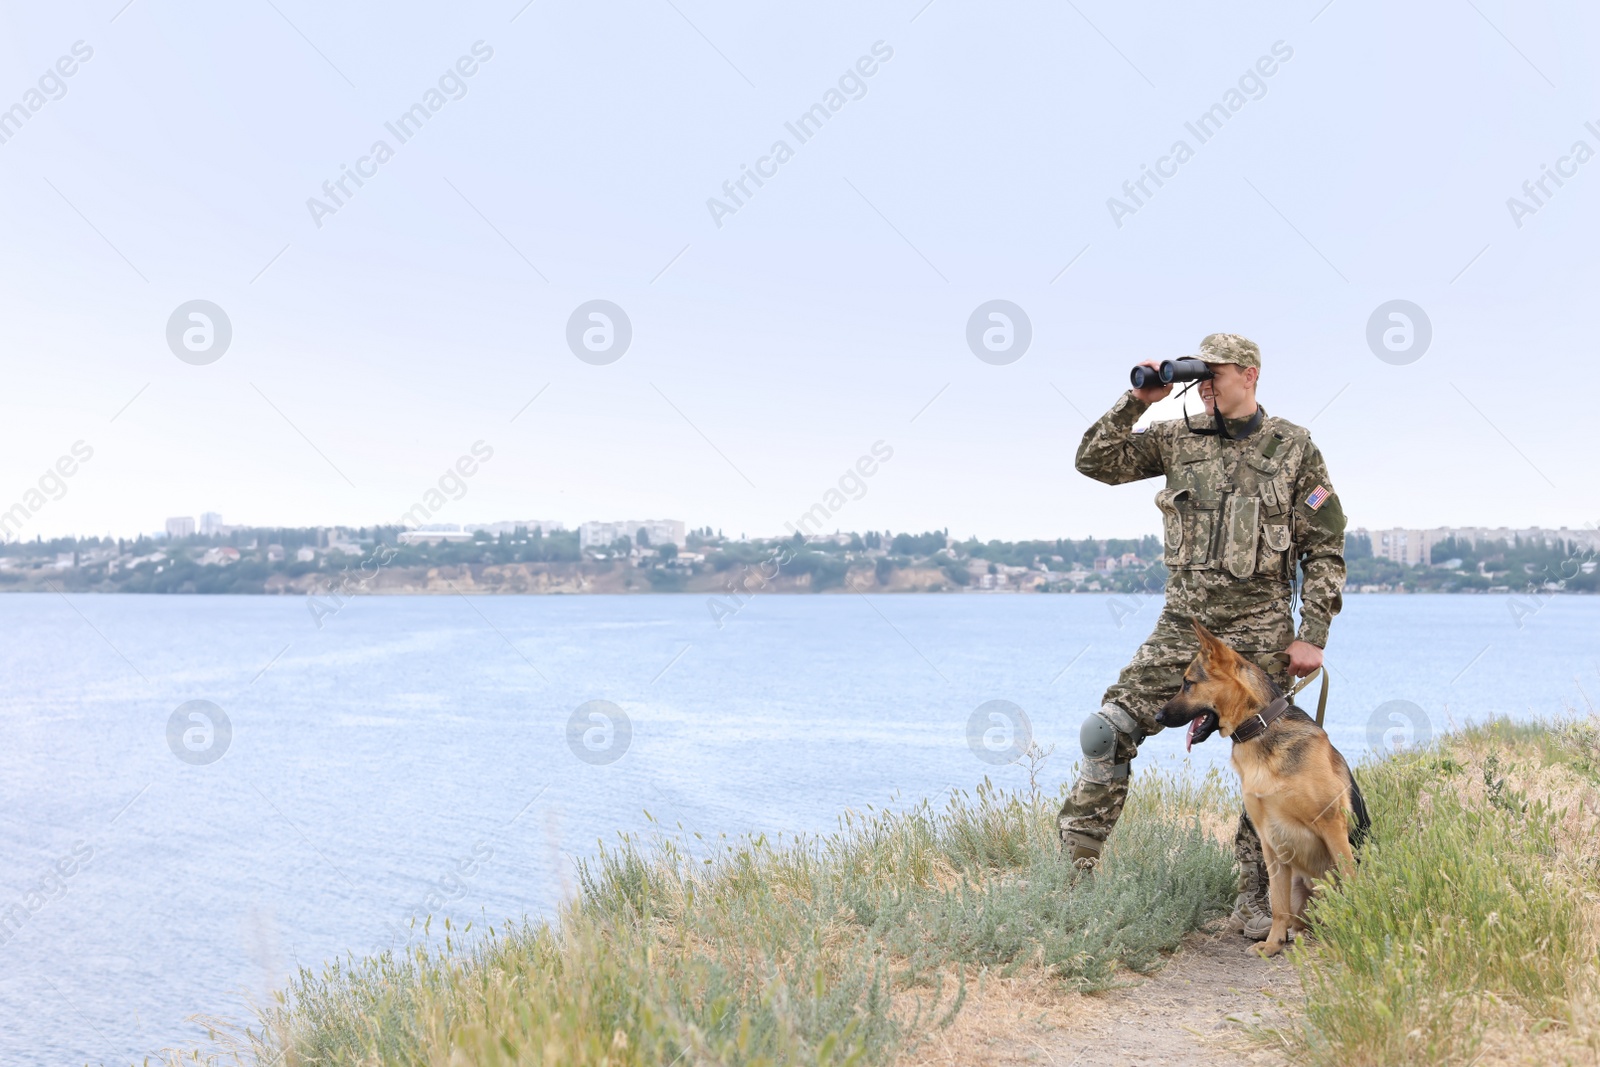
(1191, 1013)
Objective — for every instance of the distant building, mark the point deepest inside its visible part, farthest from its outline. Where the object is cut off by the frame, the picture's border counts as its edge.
(1532, 534)
(1405, 546)
(432, 537)
(305, 554)
(510, 526)
(274, 553)
(220, 556)
(1409, 546)
(180, 526)
(659, 532)
(211, 524)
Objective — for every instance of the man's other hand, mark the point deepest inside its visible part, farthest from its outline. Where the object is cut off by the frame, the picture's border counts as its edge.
(1151, 393)
(1303, 658)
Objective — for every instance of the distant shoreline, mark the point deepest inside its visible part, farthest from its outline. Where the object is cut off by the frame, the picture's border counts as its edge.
(592, 579)
(333, 565)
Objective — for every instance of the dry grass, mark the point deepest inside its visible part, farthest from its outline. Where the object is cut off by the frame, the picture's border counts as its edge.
(1029, 1009)
(905, 934)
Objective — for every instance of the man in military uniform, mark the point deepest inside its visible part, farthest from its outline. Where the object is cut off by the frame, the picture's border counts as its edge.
(1247, 499)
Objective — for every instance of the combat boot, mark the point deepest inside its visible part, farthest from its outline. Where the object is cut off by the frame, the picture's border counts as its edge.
(1252, 911)
(1083, 853)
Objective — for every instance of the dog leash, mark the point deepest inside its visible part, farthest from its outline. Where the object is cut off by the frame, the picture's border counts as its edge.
(1322, 700)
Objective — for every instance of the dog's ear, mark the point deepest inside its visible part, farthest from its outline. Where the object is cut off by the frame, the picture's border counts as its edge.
(1212, 647)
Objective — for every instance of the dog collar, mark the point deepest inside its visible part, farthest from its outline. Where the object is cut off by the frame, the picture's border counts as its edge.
(1257, 724)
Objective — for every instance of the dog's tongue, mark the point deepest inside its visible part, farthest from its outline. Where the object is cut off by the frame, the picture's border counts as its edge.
(1194, 724)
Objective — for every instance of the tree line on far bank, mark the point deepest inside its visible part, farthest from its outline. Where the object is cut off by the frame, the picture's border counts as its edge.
(1455, 566)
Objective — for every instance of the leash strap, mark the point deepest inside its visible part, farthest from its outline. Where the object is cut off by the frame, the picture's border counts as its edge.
(1322, 698)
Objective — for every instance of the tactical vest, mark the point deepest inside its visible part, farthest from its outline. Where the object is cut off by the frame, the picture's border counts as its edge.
(1232, 513)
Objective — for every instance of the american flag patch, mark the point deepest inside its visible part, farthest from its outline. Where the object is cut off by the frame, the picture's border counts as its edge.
(1318, 495)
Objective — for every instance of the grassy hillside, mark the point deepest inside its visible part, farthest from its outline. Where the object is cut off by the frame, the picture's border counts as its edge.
(1468, 935)
(840, 950)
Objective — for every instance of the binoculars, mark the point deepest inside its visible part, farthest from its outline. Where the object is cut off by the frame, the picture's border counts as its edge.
(1170, 372)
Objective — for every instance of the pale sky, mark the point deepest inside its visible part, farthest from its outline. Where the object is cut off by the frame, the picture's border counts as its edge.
(374, 345)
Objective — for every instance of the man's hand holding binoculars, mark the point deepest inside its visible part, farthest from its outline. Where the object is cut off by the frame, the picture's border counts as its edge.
(1153, 389)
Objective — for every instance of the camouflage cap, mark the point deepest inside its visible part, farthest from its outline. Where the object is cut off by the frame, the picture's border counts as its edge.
(1230, 348)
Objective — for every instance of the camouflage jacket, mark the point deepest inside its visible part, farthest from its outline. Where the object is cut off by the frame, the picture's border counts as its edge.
(1237, 515)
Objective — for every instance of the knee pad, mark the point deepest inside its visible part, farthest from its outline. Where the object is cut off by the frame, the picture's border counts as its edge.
(1098, 738)
(1098, 735)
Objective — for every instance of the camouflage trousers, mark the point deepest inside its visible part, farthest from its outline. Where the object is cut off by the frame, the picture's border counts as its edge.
(1152, 678)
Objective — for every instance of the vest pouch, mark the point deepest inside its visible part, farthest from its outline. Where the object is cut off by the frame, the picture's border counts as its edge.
(1199, 513)
(1241, 522)
(1274, 546)
(1269, 494)
(1171, 525)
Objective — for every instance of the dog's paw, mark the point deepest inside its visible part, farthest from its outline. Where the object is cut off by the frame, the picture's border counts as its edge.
(1266, 950)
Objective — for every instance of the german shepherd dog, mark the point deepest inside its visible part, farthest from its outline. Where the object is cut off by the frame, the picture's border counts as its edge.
(1298, 789)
